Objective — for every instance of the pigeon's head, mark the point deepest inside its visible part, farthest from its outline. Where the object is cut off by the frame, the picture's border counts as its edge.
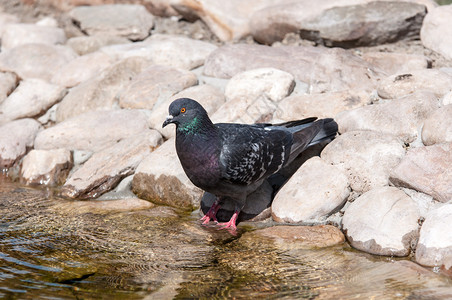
(185, 112)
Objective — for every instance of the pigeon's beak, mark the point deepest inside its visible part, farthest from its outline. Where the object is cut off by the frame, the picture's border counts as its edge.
(168, 120)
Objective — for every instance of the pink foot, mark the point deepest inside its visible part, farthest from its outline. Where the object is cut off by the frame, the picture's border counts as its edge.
(231, 223)
(211, 214)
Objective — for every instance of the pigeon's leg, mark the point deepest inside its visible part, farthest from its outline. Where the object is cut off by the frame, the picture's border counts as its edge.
(232, 221)
(212, 212)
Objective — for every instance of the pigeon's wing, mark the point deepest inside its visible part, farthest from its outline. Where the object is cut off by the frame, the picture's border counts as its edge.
(250, 152)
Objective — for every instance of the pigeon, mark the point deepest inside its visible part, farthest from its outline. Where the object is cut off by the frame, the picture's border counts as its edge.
(232, 160)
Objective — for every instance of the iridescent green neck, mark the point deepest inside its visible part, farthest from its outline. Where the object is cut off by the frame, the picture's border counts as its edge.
(190, 127)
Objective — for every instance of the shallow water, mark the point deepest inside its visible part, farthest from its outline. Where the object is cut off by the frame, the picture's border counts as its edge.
(50, 250)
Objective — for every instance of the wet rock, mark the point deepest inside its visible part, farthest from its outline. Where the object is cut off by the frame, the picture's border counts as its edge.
(210, 97)
(16, 138)
(367, 157)
(383, 221)
(93, 131)
(319, 67)
(399, 85)
(325, 105)
(252, 95)
(87, 44)
(31, 98)
(102, 92)
(105, 169)
(103, 206)
(397, 63)
(400, 117)
(434, 248)
(127, 20)
(438, 127)
(164, 49)
(299, 236)
(8, 82)
(316, 190)
(44, 63)
(19, 34)
(46, 167)
(427, 170)
(160, 179)
(256, 203)
(346, 25)
(81, 69)
(436, 26)
(155, 84)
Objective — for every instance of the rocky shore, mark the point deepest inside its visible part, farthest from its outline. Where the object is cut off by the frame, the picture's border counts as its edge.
(81, 108)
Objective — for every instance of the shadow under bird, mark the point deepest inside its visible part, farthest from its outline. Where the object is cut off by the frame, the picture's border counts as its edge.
(232, 160)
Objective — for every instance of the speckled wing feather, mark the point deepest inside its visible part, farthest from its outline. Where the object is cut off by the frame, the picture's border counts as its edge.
(252, 152)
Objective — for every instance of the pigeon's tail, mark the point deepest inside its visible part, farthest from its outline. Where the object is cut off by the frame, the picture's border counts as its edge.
(306, 134)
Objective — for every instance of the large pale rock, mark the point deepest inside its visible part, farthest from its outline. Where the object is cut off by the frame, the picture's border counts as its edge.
(87, 44)
(160, 179)
(397, 63)
(5, 20)
(8, 82)
(438, 127)
(127, 20)
(20, 34)
(81, 69)
(101, 92)
(434, 248)
(164, 49)
(16, 138)
(400, 117)
(435, 28)
(31, 98)
(383, 221)
(93, 131)
(46, 167)
(252, 95)
(44, 63)
(427, 170)
(367, 157)
(320, 105)
(343, 23)
(210, 97)
(105, 169)
(323, 69)
(316, 190)
(399, 85)
(155, 84)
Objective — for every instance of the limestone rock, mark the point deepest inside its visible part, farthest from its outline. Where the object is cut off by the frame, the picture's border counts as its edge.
(323, 69)
(87, 44)
(401, 117)
(16, 138)
(397, 63)
(344, 24)
(427, 170)
(160, 179)
(325, 105)
(105, 169)
(399, 85)
(383, 221)
(103, 206)
(210, 97)
(31, 98)
(155, 84)
(93, 131)
(438, 127)
(102, 92)
(127, 20)
(434, 248)
(81, 69)
(435, 28)
(44, 63)
(316, 190)
(46, 167)
(6, 19)
(8, 82)
(367, 157)
(19, 34)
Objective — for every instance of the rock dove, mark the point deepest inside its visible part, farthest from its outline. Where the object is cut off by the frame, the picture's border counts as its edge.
(232, 160)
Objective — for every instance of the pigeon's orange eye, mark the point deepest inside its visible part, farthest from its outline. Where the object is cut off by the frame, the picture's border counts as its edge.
(182, 110)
